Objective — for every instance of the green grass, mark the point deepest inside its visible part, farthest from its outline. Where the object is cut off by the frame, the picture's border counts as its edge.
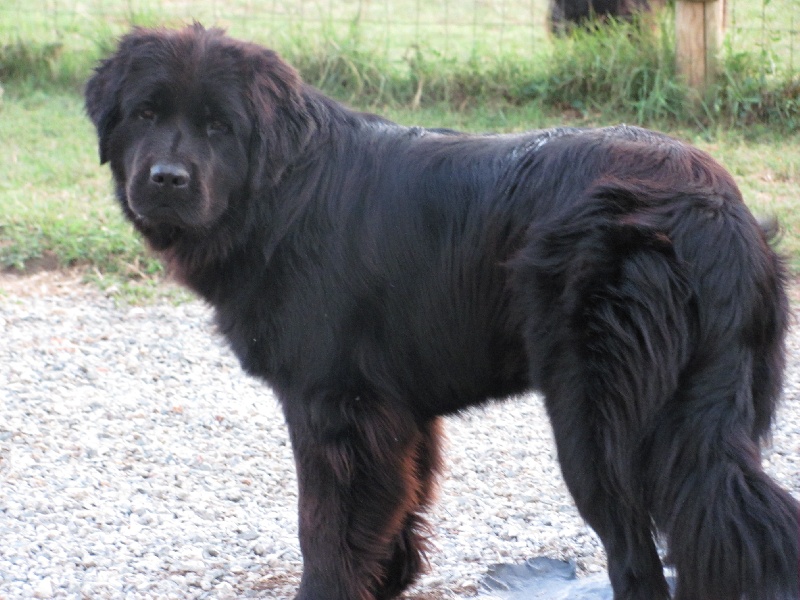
(55, 200)
(617, 68)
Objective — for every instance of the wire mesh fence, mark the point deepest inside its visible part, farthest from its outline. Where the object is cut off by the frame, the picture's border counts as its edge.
(455, 30)
(770, 28)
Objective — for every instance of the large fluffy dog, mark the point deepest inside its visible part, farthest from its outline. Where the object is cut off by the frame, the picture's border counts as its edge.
(379, 276)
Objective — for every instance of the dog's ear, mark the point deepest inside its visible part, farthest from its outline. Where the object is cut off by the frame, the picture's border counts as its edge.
(102, 92)
(283, 123)
(104, 88)
(102, 100)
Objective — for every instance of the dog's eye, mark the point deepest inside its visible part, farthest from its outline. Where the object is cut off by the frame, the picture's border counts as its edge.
(217, 126)
(146, 113)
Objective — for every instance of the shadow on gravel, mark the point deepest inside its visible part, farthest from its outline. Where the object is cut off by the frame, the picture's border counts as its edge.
(544, 579)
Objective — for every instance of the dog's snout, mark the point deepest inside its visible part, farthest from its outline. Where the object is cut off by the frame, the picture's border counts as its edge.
(169, 175)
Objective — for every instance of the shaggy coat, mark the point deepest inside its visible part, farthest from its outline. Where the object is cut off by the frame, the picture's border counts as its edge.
(378, 277)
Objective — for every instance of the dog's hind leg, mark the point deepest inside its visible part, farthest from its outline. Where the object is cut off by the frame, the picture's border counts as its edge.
(603, 379)
(634, 568)
(673, 406)
(607, 336)
(365, 469)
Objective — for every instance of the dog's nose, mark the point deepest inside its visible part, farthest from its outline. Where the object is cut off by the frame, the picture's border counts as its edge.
(169, 175)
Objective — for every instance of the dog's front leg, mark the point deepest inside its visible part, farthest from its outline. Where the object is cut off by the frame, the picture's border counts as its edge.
(364, 468)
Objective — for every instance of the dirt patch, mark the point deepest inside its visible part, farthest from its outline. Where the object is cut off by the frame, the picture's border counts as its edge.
(58, 282)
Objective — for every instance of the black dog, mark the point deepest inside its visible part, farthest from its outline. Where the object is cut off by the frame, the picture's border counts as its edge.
(567, 13)
(378, 277)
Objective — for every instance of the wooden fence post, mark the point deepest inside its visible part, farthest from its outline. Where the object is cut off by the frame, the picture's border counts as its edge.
(699, 28)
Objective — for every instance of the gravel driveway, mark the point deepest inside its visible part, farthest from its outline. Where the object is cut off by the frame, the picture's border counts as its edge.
(138, 461)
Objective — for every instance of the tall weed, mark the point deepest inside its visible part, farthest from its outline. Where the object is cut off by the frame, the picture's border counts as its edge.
(621, 67)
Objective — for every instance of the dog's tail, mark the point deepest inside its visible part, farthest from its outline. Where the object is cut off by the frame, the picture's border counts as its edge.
(679, 310)
(733, 533)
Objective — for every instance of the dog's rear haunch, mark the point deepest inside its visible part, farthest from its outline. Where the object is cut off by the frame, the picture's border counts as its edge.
(378, 277)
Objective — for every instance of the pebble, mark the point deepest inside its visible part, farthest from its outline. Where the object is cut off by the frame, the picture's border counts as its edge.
(43, 589)
(137, 461)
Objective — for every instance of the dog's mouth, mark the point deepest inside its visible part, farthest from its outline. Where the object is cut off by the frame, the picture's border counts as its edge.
(158, 215)
(184, 209)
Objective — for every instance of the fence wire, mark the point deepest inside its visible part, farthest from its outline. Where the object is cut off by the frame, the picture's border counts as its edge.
(449, 29)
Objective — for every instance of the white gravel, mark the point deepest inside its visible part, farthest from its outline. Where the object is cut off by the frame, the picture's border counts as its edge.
(137, 461)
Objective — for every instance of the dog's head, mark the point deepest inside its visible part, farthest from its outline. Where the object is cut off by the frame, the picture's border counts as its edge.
(188, 120)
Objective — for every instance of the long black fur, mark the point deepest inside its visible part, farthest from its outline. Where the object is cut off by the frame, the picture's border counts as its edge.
(378, 277)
